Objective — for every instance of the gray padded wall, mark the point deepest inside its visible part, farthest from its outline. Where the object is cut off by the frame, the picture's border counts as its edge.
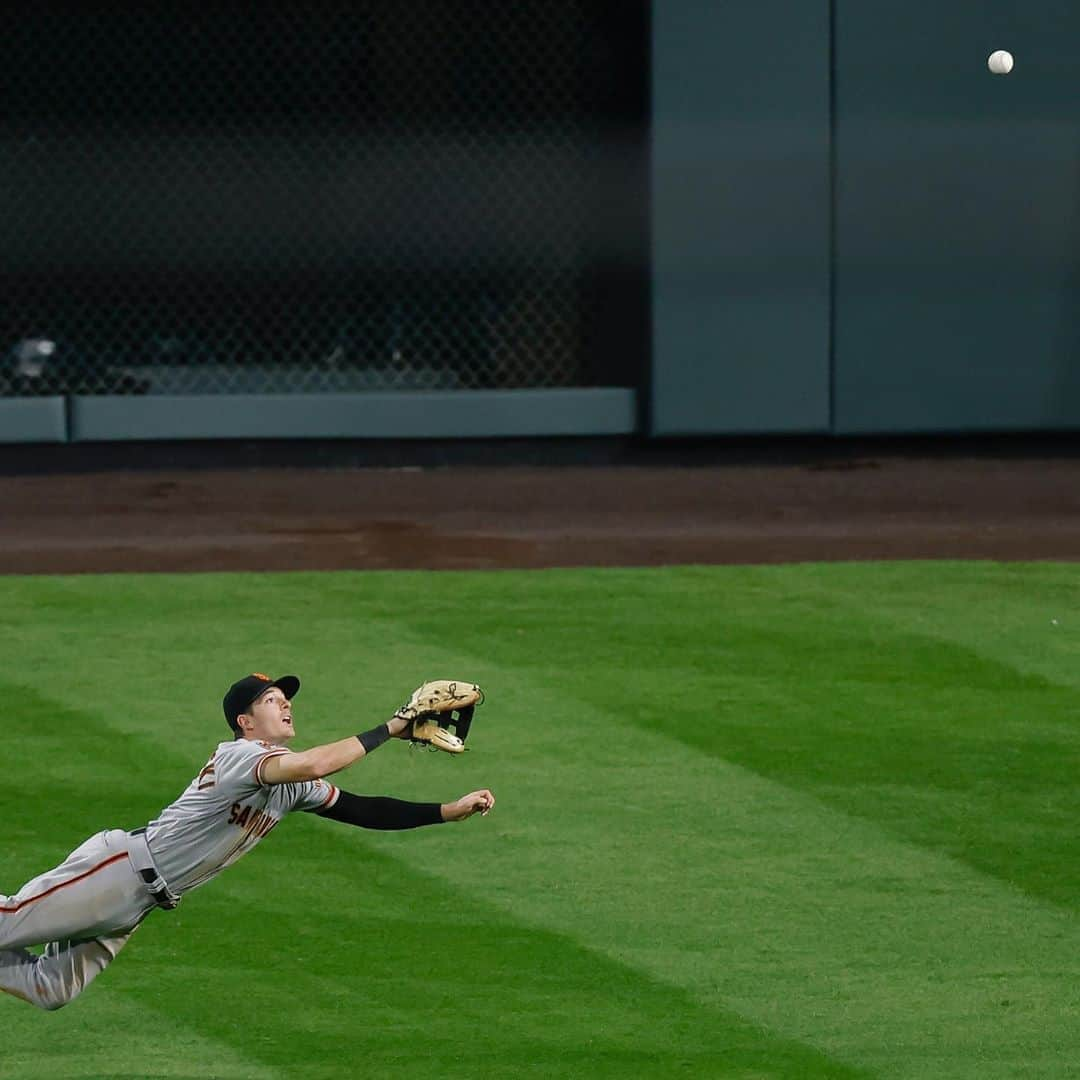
(740, 216)
(33, 420)
(443, 415)
(958, 229)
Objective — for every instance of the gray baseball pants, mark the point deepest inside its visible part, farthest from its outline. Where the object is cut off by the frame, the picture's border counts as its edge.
(83, 912)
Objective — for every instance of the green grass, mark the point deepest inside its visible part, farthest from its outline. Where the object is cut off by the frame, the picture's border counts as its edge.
(803, 821)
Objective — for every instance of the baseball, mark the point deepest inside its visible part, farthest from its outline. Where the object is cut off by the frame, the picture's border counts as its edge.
(1000, 62)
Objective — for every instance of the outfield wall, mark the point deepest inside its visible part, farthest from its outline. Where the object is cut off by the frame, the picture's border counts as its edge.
(849, 227)
(433, 415)
(856, 227)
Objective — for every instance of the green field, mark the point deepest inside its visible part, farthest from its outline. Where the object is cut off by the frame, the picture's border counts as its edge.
(802, 821)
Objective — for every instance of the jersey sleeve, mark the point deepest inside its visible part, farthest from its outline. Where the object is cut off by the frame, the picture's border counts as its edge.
(239, 764)
(313, 795)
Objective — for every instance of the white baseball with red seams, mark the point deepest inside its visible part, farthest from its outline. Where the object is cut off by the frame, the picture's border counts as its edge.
(86, 909)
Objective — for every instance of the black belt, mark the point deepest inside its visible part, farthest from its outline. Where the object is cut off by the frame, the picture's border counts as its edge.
(159, 892)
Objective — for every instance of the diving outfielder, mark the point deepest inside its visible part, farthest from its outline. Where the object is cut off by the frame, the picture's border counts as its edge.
(86, 909)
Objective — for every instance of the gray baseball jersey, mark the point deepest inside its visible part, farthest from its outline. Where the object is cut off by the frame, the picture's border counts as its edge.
(225, 811)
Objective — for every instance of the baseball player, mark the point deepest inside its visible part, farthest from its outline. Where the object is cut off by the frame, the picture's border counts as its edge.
(84, 911)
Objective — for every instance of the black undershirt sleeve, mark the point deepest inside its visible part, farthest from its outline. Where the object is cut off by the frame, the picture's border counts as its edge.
(381, 812)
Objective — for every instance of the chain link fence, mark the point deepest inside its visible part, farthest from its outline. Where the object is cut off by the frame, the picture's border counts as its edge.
(204, 199)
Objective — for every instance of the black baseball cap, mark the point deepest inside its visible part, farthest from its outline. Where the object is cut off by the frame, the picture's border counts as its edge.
(244, 691)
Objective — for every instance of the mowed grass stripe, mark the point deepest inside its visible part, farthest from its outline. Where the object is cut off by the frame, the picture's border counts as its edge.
(466, 988)
(614, 634)
(1020, 1038)
(317, 951)
(1024, 615)
(116, 1038)
(815, 924)
(953, 721)
(857, 683)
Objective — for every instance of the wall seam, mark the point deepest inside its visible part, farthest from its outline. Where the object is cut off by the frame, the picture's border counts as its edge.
(832, 217)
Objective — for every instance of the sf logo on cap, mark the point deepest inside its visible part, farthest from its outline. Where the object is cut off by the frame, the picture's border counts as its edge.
(260, 675)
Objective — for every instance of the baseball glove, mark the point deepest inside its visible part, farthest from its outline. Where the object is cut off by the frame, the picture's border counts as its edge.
(436, 707)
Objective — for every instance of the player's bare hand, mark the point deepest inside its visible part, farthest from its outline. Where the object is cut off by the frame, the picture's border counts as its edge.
(398, 727)
(476, 802)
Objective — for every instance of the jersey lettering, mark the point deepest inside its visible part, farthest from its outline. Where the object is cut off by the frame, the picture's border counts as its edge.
(254, 822)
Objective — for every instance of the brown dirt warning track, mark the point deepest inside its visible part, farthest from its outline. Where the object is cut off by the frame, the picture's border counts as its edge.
(468, 517)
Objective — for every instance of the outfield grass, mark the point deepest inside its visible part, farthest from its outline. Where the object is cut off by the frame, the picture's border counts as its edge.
(803, 821)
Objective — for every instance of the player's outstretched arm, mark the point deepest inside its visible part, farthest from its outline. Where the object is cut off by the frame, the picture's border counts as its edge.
(381, 812)
(330, 758)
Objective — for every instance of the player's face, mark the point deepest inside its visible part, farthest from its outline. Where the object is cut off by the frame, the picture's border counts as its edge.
(272, 716)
